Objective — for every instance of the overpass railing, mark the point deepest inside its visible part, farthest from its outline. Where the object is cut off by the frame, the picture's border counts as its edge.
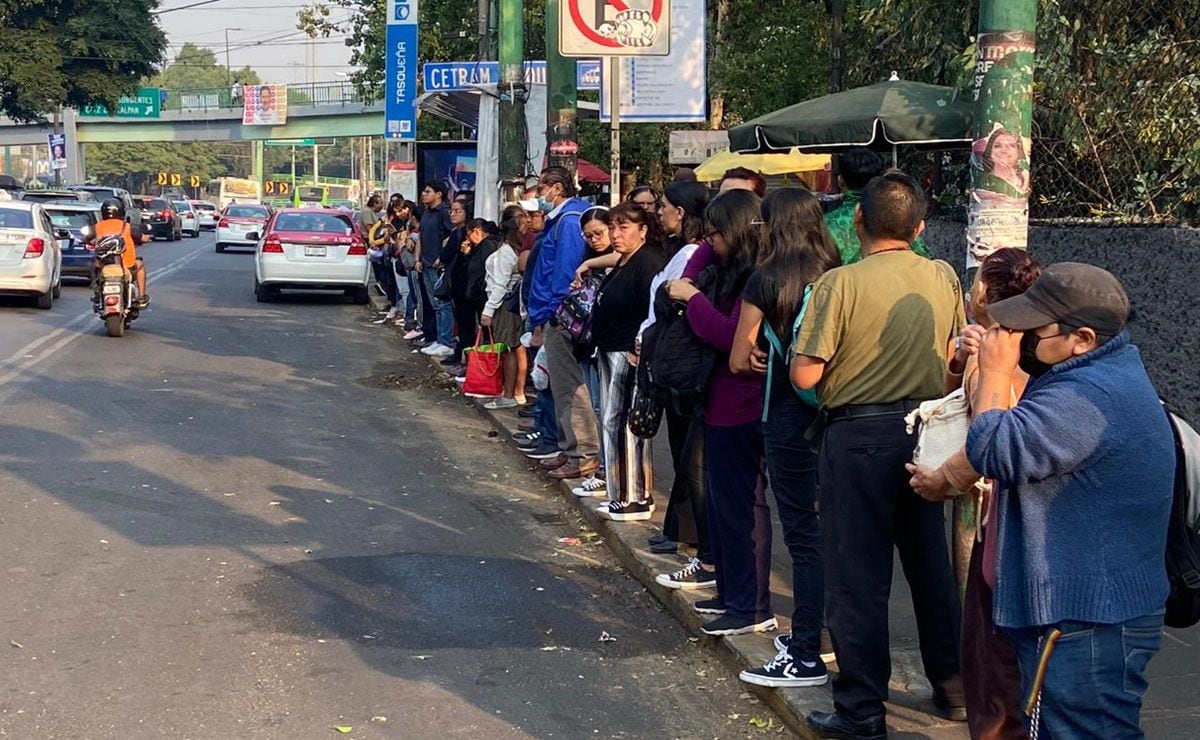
(337, 93)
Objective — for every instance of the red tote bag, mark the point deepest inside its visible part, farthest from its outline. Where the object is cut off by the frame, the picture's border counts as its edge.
(485, 369)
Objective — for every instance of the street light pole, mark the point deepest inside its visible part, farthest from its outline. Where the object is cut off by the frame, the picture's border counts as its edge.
(228, 66)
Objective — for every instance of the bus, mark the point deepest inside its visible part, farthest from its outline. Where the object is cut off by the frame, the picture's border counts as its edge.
(226, 190)
(326, 194)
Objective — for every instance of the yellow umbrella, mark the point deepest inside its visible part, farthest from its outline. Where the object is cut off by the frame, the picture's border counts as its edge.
(764, 164)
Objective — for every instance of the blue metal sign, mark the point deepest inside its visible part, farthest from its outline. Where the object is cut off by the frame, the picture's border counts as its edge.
(400, 111)
(450, 76)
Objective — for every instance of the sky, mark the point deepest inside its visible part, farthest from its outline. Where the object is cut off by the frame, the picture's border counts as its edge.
(266, 38)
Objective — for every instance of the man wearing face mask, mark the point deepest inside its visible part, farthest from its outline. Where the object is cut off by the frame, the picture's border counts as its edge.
(1084, 465)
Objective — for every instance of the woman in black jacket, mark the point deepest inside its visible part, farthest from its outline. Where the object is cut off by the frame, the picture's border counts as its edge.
(468, 279)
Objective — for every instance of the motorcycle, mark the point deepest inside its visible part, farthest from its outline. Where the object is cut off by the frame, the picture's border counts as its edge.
(117, 294)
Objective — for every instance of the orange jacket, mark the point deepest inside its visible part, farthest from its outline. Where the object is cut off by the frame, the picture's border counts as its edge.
(114, 226)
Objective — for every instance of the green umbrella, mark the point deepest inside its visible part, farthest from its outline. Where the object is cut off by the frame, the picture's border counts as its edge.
(881, 117)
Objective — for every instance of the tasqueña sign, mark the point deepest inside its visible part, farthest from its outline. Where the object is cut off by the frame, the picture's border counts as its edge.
(400, 112)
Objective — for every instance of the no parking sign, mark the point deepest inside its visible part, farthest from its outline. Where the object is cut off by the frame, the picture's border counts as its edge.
(612, 28)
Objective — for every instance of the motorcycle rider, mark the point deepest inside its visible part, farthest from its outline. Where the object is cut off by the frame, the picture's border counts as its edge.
(112, 222)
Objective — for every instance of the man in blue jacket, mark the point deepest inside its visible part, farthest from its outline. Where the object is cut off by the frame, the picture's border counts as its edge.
(562, 252)
(1084, 468)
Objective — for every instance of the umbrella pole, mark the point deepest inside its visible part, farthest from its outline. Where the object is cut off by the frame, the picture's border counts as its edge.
(895, 161)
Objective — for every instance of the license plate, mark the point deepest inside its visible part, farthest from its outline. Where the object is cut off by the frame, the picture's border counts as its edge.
(314, 251)
(110, 289)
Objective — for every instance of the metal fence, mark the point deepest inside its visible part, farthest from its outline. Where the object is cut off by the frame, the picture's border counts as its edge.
(199, 100)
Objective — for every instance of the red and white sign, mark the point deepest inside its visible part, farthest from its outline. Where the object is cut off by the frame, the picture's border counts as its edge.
(615, 28)
(266, 105)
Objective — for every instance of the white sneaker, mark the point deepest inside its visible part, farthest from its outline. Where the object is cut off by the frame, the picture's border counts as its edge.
(391, 314)
(437, 350)
(413, 334)
(591, 487)
(501, 403)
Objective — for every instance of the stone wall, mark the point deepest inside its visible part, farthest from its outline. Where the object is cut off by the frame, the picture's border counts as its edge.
(1160, 269)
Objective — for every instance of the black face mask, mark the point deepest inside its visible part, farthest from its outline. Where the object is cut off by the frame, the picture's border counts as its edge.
(1029, 361)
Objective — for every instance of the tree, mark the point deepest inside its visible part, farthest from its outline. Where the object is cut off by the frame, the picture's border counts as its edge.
(74, 53)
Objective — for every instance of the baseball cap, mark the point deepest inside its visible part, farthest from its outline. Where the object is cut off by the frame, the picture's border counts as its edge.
(1069, 293)
(528, 205)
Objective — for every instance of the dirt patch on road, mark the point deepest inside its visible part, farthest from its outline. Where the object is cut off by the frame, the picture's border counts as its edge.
(407, 380)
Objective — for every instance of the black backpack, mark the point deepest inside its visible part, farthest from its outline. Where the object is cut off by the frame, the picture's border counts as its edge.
(679, 364)
(1183, 533)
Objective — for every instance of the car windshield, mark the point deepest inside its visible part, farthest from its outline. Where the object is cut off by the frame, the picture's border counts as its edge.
(204, 206)
(157, 204)
(100, 193)
(72, 219)
(53, 197)
(183, 207)
(13, 219)
(246, 212)
(325, 223)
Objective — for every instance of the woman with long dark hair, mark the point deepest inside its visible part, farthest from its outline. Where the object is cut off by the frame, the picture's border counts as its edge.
(621, 303)
(468, 282)
(797, 249)
(739, 519)
(501, 314)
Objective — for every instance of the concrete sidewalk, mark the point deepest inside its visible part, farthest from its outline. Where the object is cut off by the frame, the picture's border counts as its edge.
(1172, 706)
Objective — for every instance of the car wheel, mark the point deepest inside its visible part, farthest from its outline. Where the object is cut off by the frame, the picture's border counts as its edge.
(177, 236)
(195, 234)
(359, 296)
(57, 291)
(45, 301)
(262, 293)
(220, 248)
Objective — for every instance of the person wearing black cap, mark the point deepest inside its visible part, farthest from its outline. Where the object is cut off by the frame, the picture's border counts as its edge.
(1084, 465)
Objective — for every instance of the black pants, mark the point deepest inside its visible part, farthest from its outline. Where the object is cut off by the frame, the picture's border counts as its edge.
(867, 507)
(386, 277)
(466, 319)
(686, 519)
(739, 519)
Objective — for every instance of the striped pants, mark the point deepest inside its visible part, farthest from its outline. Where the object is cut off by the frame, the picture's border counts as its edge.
(628, 463)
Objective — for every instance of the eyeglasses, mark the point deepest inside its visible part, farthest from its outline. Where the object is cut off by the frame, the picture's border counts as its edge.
(710, 234)
(593, 236)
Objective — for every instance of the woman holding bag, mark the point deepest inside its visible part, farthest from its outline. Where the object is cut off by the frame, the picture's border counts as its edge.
(620, 306)
(990, 674)
(504, 323)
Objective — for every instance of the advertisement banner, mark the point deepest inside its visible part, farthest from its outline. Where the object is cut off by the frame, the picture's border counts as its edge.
(58, 151)
(670, 89)
(451, 163)
(402, 179)
(400, 112)
(265, 105)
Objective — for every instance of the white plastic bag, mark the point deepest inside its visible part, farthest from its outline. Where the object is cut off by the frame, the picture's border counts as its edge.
(540, 373)
(944, 423)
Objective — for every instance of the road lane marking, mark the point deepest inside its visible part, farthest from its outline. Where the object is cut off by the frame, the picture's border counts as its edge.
(28, 356)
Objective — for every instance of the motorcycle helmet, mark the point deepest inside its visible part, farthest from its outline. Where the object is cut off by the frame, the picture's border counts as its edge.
(112, 208)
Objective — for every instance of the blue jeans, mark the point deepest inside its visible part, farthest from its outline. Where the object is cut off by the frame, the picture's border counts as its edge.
(591, 377)
(440, 322)
(545, 420)
(792, 470)
(1095, 678)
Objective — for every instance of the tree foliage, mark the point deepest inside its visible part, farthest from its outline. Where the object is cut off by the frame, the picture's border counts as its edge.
(73, 53)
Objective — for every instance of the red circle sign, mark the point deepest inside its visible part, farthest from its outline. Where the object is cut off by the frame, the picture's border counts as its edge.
(577, 18)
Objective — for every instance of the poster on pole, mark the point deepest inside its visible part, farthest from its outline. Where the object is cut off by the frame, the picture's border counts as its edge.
(265, 105)
(669, 89)
(400, 111)
(612, 28)
(58, 151)
(402, 179)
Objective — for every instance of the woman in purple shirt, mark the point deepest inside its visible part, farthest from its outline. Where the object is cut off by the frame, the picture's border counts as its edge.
(739, 519)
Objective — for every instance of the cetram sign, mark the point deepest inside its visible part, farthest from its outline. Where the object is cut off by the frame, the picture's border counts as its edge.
(612, 28)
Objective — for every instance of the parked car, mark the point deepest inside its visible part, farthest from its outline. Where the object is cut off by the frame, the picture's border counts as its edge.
(241, 226)
(208, 213)
(73, 217)
(188, 218)
(311, 249)
(30, 258)
(160, 219)
(56, 196)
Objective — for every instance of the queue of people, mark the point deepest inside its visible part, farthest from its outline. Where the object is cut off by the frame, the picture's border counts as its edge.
(783, 349)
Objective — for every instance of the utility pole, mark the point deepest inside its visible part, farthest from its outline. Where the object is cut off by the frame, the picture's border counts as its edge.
(837, 9)
(998, 215)
(228, 68)
(512, 145)
(562, 98)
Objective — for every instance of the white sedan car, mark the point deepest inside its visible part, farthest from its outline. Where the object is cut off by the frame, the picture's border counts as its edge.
(311, 249)
(188, 217)
(207, 213)
(30, 256)
(241, 226)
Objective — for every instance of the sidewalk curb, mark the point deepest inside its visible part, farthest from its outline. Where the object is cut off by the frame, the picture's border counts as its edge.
(627, 541)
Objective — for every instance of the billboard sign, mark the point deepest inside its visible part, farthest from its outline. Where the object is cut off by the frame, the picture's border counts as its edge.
(400, 112)
(669, 89)
(265, 105)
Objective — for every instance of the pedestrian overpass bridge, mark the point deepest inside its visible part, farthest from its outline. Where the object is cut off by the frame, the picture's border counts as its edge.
(322, 109)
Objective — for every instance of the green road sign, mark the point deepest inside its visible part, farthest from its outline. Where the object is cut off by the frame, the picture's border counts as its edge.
(147, 103)
(291, 142)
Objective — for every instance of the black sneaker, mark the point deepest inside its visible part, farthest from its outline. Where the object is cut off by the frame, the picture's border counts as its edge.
(952, 708)
(689, 578)
(783, 672)
(709, 606)
(838, 725)
(543, 451)
(527, 412)
(523, 439)
(451, 361)
(784, 642)
(726, 626)
(632, 511)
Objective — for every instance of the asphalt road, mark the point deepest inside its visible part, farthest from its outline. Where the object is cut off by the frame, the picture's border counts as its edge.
(266, 521)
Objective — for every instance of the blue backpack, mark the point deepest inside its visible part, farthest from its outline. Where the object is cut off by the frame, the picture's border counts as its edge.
(809, 396)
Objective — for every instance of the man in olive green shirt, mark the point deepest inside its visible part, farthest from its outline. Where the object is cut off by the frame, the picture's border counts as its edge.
(874, 341)
(855, 169)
